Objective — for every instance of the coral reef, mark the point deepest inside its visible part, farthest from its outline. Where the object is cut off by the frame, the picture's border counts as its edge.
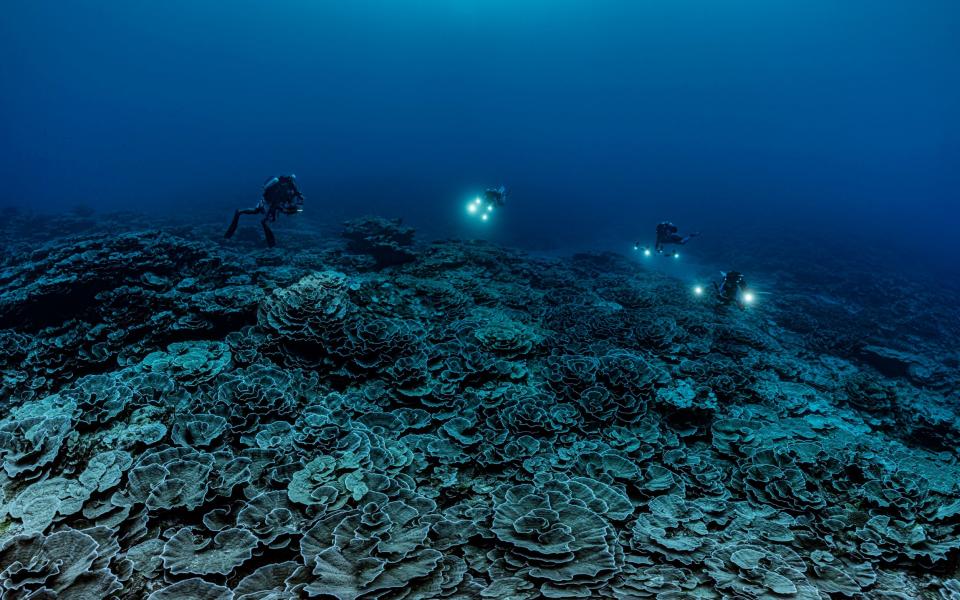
(454, 420)
(387, 241)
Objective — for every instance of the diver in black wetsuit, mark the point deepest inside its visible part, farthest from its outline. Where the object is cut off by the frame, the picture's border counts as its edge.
(733, 288)
(495, 196)
(280, 195)
(667, 234)
(483, 206)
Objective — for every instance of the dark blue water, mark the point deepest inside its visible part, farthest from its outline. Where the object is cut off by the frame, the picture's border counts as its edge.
(602, 118)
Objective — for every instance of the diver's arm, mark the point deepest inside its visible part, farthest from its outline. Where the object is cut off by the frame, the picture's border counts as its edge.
(295, 189)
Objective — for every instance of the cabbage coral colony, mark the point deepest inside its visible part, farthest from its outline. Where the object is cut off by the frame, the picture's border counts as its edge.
(388, 420)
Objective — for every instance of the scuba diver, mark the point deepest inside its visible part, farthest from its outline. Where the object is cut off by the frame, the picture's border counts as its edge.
(495, 196)
(280, 195)
(733, 288)
(483, 206)
(667, 233)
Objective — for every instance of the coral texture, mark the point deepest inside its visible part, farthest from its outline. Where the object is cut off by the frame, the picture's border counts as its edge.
(454, 420)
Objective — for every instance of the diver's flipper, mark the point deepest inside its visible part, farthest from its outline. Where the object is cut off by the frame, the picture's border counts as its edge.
(271, 241)
(233, 225)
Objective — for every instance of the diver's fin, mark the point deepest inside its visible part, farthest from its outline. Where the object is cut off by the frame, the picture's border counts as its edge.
(233, 225)
(271, 241)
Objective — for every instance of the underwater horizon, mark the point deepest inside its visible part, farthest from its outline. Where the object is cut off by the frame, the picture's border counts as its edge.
(613, 299)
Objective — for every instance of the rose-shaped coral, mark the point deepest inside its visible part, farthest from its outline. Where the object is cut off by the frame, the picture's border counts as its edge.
(191, 363)
(559, 535)
(376, 343)
(306, 320)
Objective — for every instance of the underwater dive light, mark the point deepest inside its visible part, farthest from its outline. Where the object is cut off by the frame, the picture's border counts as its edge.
(698, 290)
(748, 297)
(476, 206)
(646, 251)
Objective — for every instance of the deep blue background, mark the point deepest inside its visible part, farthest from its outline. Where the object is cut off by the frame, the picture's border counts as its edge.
(601, 116)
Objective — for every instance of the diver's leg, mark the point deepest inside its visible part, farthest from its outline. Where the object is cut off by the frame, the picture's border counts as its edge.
(236, 220)
(271, 241)
(233, 225)
(722, 300)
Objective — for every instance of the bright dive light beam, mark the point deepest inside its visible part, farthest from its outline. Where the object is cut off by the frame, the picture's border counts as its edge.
(646, 252)
(748, 297)
(698, 290)
(471, 208)
(484, 217)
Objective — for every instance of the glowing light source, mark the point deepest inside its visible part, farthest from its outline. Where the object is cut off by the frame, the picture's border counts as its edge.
(489, 207)
(646, 251)
(484, 216)
(676, 255)
(472, 208)
(748, 297)
(698, 290)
